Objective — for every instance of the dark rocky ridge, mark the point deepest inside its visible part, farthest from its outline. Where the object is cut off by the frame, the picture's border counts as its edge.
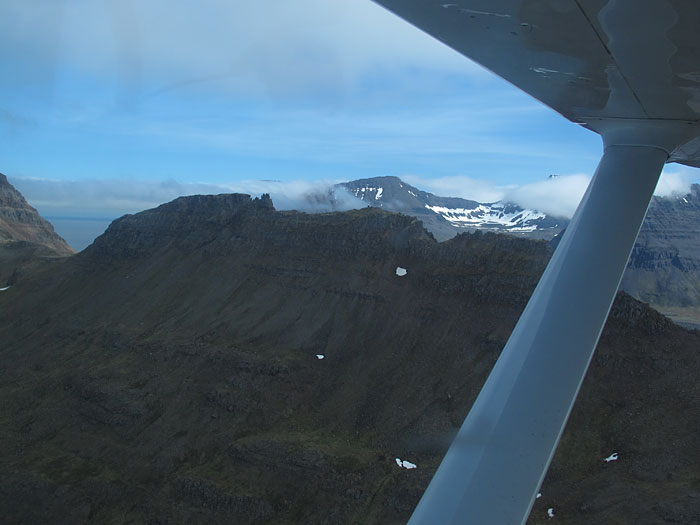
(167, 374)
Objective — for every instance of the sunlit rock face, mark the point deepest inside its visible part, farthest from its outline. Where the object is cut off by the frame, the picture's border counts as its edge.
(27, 240)
(20, 222)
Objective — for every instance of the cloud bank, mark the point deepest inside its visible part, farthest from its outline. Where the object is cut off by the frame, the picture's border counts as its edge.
(276, 47)
(557, 196)
(675, 182)
(113, 198)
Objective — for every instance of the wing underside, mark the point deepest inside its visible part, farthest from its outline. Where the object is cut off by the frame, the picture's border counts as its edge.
(589, 60)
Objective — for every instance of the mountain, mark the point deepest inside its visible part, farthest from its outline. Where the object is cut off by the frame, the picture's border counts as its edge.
(214, 360)
(20, 222)
(26, 239)
(664, 267)
(445, 217)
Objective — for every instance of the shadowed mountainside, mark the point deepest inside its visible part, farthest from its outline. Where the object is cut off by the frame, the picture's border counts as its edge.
(169, 373)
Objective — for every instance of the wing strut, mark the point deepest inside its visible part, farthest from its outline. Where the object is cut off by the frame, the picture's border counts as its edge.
(498, 460)
(628, 71)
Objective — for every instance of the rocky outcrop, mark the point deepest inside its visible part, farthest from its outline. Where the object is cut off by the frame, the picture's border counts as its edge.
(187, 223)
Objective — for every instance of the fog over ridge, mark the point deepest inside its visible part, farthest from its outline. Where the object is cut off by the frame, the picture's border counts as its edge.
(112, 197)
(557, 196)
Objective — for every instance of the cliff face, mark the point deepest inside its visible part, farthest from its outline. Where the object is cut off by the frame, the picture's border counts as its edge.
(20, 222)
(27, 241)
(664, 267)
(214, 360)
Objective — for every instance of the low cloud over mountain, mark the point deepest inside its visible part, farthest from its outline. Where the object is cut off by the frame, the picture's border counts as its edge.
(114, 198)
(558, 195)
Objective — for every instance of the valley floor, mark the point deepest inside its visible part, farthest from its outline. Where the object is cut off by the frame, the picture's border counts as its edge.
(686, 317)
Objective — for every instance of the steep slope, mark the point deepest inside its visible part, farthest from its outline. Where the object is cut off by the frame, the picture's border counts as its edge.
(26, 239)
(445, 217)
(171, 373)
(20, 222)
(664, 268)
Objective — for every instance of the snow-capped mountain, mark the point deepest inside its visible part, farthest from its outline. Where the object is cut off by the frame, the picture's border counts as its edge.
(445, 217)
(496, 215)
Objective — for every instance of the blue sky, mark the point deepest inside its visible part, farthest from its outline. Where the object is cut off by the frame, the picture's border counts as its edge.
(109, 106)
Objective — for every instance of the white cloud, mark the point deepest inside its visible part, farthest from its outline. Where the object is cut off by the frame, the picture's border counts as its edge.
(109, 198)
(273, 47)
(104, 197)
(558, 196)
(480, 190)
(308, 196)
(112, 198)
(675, 181)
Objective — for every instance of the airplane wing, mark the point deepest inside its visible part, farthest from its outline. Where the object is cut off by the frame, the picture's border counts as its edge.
(589, 60)
(630, 71)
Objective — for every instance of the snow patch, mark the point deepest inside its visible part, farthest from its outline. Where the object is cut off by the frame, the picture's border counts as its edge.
(7, 288)
(539, 495)
(611, 457)
(401, 271)
(405, 464)
(320, 356)
(360, 192)
(550, 512)
(685, 200)
(490, 215)
(409, 191)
